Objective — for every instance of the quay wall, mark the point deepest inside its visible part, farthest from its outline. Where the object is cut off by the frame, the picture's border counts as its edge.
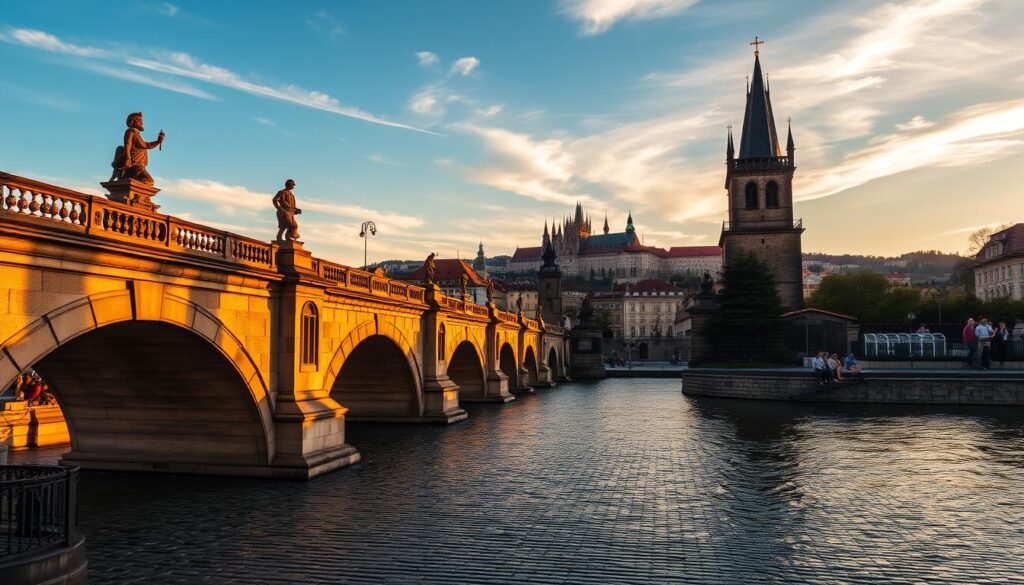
(891, 388)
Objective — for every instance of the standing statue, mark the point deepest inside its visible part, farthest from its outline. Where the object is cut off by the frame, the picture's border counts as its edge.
(519, 304)
(490, 290)
(706, 284)
(540, 311)
(284, 203)
(131, 158)
(429, 269)
(464, 285)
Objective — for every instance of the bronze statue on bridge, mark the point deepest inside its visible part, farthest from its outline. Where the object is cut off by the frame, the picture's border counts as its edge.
(131, 158)
(284, 202)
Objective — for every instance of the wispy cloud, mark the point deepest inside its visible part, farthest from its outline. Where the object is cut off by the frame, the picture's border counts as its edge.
(183, 65)
(427, 58)
(465, 65)
(597, 16)
(326, 25)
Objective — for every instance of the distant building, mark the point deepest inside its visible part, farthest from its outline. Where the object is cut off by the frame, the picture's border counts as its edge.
(898, 279)
(448, 274)
(811, 282)
(619, 256)
(999, 265)
(643, 310)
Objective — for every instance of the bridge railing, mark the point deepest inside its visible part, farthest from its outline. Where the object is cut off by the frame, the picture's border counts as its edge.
(38, 509)
(98, 216)
(359, 280)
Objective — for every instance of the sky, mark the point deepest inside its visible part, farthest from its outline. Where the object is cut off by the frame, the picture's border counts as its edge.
(458, 122)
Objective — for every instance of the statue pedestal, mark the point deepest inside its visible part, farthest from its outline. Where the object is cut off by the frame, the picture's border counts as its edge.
(292, 259)
(132, 192)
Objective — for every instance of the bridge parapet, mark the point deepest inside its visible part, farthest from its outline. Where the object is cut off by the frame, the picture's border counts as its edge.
(356, 280)
(97, 216)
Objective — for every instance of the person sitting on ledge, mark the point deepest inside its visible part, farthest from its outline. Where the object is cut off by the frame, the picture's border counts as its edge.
(835, 365)
(851, 365)
(821, 368)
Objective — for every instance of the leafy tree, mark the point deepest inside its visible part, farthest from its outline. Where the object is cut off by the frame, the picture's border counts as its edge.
(748, 327)
(860, 294)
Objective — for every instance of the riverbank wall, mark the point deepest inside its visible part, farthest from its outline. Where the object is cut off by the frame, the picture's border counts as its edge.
(26, 427)
(890, 387)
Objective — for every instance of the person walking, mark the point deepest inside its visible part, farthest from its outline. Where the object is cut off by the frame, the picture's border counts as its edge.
(1001, 343)
(970, 339)
(983, 334)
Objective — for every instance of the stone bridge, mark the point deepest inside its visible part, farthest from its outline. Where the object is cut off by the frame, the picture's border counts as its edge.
(172, 346)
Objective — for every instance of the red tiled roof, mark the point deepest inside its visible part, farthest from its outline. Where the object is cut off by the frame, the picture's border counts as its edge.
(527, 254)
(688, 251)
(448, 270)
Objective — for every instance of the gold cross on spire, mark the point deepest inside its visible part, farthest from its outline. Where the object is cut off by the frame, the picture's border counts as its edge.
(756, 42)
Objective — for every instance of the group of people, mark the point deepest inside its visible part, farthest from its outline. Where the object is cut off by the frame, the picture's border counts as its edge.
(829, 367)
(31, 388)
(986, 342)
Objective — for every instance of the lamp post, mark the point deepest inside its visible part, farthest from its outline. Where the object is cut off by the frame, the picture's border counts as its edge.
(368, 229)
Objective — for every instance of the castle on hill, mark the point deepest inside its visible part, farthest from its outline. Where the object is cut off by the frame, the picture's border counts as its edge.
(620, 256)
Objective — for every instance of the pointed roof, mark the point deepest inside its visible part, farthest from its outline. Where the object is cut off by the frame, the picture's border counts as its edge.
(759, 139)
(729, 149)
(629, 222)
(448, 270)
(578, 219)
(606, 222)
(789, 139)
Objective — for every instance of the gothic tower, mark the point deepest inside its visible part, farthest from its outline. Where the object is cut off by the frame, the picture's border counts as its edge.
(549, 287)
(760, 190)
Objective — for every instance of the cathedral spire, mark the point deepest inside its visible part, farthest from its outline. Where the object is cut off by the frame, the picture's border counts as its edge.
(790, 147)
(578, 218)
(629, 222)
(606, 223)
(758, 139)
(730, 151)
(546, 240)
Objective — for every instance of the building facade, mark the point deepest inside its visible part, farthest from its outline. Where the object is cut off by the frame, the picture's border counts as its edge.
(645, 310)
(759, 184)
(999, 265)
(619, 256)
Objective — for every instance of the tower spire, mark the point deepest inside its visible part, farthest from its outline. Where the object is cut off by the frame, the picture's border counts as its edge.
(629, 222)
(729, 149)
(759, 139)
(606, 222)
(790, 146)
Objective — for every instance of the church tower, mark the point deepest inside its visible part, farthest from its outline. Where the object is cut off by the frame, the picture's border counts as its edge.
(760, 189)
(549, 287)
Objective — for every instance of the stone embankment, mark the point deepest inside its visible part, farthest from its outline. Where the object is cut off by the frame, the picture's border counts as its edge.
(878, 386)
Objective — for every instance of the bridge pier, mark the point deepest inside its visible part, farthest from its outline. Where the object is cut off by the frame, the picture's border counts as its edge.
(440, 394)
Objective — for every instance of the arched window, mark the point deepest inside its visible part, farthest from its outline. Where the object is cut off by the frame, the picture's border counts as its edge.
(751, 192)
(309, 350)
(440, 342)
(771, 194)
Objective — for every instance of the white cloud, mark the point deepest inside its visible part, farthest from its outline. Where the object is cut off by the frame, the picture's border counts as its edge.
(180, 64)
(597, 16)
(915, 123)
(425, 103)
(265, 121)
(427, 58)
(465, 65)
(326, 25)
(491, 111)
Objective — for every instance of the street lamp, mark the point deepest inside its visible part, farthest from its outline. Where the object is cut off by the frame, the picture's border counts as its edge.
(368, 229)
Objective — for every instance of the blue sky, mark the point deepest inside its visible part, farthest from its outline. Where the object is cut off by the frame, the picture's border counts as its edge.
(454, 122)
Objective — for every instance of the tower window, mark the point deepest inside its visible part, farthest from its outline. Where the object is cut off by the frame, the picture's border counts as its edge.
(309, 336)
(751, 192)
(771, 194)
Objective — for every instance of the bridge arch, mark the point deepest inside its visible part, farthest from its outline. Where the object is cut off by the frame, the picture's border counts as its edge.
(375, 374)
(508, 366)
(466, 370)
(148, 381)
(554, 363)
(530, 365)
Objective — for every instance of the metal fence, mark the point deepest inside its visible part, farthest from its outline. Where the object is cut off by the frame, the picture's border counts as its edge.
(38, 508)
(924, 346)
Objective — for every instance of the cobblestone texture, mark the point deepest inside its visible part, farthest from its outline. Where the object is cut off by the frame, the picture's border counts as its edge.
(625, 482)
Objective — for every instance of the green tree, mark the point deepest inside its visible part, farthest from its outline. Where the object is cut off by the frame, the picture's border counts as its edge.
(748, 327)
(861, 295)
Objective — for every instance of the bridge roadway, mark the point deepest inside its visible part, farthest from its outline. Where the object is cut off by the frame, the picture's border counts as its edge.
(172, 346)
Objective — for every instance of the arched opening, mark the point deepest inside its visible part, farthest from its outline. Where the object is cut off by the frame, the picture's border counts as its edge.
(376, 382)
(644, 351)
(507, 365)
(771, 194)
(467, 372)
(553, 365)
(751, 195)
(149, 395)
(309, 352)
(530, 363)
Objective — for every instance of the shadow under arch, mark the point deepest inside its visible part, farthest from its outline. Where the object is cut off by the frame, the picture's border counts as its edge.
(553, 362)
(465, 369)
(530, 363)
(150, 383)
(507, 365)
(375, 375)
